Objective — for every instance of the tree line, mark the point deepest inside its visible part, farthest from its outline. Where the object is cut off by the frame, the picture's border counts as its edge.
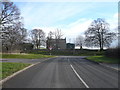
(13, 33)
(38, 37)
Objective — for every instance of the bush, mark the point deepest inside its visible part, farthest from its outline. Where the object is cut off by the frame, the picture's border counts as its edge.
(76, 52)
(112, 52)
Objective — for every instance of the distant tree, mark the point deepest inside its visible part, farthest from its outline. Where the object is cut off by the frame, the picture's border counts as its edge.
(79, 41)
(50, 35)
(49, 38)
(58, 35)
(98, 34)
(34, 37)
(38, 37)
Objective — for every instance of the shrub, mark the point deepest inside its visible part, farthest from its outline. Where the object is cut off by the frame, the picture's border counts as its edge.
(112, 52)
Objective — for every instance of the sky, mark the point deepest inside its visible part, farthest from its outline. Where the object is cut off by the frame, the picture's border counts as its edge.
(73, 18)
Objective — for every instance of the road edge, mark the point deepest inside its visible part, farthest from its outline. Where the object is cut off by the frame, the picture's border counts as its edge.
(109, 67)
(103, 65)
(16, 73)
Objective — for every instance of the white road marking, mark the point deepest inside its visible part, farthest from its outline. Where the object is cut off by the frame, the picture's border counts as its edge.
(79, 76)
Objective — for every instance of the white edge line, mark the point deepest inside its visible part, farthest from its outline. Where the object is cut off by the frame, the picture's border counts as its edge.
(79, 76)
(14, 74)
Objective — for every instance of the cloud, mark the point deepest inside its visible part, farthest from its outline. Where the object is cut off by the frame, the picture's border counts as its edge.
(113, 21)
(72, 30)
(115, 15)
(77, 28)
(49, 14)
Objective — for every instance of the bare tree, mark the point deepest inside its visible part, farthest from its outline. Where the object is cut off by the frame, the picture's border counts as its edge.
(79, 41)
(15, 35)
(41, 37)
(50, 35)
(9, 13)
(12, 31)
(58, 35)
(49, 38)
(38, 37)
(98, 34)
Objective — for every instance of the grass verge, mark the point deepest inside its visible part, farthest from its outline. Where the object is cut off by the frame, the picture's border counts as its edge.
(9, 68)
(25, 56)
(103, 59)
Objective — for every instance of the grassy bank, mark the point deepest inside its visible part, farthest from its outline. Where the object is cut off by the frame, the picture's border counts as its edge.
(25, 56)
(103, 59)
(10, 68)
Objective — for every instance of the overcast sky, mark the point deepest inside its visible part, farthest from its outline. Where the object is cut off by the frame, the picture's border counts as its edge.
(73, 18)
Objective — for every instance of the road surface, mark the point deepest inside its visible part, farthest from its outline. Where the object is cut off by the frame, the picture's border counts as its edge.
(65, 72)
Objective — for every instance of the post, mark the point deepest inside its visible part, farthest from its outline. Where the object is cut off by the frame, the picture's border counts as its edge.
(50, 48)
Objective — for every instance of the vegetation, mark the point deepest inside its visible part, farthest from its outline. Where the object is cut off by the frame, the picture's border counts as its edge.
(98, 34)
(56, 35)
(12, 29)
(25, 56)
(103, 59)
(80, 41)
(10, 68)
(76, 52)
(112, 52)
(38, 37)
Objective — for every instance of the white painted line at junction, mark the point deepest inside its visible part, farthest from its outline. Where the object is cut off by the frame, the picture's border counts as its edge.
(79, 76)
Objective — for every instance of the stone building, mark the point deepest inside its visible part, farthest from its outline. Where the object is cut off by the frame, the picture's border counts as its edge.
(56, 43)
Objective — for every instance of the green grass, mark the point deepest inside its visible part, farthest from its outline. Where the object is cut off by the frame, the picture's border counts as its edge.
(10, 68)
(25, 56)
(103, 59)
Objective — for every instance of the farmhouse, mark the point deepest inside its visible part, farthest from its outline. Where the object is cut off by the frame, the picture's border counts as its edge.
(56, 43)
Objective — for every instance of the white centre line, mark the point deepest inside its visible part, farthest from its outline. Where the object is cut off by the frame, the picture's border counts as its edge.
(79, 76)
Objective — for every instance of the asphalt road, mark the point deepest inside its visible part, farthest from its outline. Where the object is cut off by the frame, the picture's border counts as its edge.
(65, 72)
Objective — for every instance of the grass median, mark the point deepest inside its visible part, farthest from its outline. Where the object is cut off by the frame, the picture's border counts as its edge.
(25, 56)
(103, 59)
(9, 68)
